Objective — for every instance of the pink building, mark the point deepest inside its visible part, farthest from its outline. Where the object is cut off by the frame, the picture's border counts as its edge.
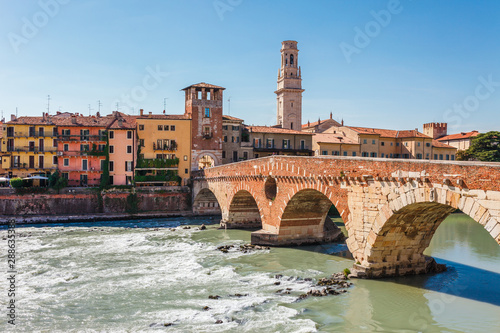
(122, 148)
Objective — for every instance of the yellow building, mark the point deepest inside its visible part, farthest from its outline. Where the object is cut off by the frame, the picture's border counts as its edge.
(335, 145)
(163, 137)
(29, 146)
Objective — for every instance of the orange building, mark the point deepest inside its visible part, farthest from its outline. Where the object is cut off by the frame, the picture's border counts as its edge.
(81, 147)
(122, 148)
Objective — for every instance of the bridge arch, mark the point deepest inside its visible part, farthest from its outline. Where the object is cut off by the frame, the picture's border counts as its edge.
(243, 211)
(405, 225)
(305, 218)
(206, 203)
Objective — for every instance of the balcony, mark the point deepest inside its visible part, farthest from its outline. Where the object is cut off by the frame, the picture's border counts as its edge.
(31, 150)
(207, 136)
(30, 135)
(73, 138)
(171, 147)
(81, 153)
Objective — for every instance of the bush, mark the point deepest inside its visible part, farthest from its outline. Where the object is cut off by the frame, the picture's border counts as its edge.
(16, 182)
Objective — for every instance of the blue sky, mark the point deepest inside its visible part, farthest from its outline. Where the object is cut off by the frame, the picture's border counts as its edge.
(386, 64)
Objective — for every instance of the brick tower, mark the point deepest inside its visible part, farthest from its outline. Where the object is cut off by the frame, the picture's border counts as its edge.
(204, 108)
(436, 130)
(289, 93)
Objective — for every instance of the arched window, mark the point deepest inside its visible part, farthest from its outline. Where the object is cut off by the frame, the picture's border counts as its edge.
(291, 59)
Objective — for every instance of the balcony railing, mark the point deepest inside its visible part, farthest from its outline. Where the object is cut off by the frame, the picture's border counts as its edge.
(81, 153)
(31, 149)
(82, 137)
(171, 147)
(30, 135)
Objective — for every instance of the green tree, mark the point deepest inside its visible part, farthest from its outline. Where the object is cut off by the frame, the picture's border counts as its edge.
(484, 147)
(57, 182)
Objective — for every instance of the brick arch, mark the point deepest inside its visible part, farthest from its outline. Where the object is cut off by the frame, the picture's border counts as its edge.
(243, 210)
(206, 202)
(406, 224)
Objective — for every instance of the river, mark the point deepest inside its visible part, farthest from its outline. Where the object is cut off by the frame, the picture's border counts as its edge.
(131, 276)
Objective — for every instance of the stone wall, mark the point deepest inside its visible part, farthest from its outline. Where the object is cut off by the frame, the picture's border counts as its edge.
(84, 202)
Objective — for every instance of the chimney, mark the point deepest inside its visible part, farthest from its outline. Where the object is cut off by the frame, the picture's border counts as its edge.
(98, 114)
(163, 111)
(58, 113)
(331, 115)
(142, 112)
(73, 120)
(12, 117)
(342, 123)
(308, 124)
(319, 121)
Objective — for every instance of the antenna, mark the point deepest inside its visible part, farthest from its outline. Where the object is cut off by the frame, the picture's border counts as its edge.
(90, 110)
(229, 105)
(117, 106)
(99, 106)
(16, 111)
(165, 104)
(48, 103)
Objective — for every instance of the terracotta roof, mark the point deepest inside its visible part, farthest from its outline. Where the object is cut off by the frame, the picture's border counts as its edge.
(82, 121)
(437, 144)
(31, 121)
(333, 138)
(164, 116)
(334, 123)
(267, 129)
(389, 133)
(204, 85)
(226, 117)
(459, 136)
(126, 122)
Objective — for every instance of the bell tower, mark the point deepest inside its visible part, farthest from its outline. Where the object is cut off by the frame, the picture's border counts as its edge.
(289, 93)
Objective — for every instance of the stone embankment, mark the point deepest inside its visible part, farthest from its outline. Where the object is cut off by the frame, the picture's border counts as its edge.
(83, 204)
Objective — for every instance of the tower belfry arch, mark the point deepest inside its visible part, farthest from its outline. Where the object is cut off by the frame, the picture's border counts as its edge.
(289, 92)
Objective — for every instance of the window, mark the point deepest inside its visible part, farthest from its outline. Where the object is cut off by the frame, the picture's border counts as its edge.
(232, 139)
(129, 149)
(128, 165)
(257, 143)
(447, 157)
(345, 153)
(111, 149)
(373, 142)
(32, 131)
(54, 143)
(397, 144)
(111, 166)
(406, 144)
(286, 144)
(418, 144)
(236, 128)
(141, 127)
(373, 154)
(85, 165)
(160, 127)
(84, 147)
(225, 127)
(165, 127)
(364, 154)
(452, 157)
(206, 132)
(302, 144)
(40, 161)
(66, 132)
(54, 160)
(66, 147)
(159, 144)
(207, 112)
(270, 143)
(391, 155)
(223, 154)
(335, 153)
(54, 131)
(406, 156)
(237, 139)
(129, 134)
(435, 156)
(141, 142)
(185, 157)
(324, 152)
(364, 141)
(245, 155)
(66, 162)
(428, 144)
(440, 156)
(391, 144)
(382, 143)
(419, 156)
(111, 178)
(84, 134)
(186, 171)
(111, 134)
(172, 127)
(382, 155)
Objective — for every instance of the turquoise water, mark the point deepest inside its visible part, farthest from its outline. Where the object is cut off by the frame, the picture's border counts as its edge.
(131, 276)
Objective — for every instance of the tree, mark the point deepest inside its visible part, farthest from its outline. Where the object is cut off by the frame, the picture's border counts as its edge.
(484, 147)
(57, 182)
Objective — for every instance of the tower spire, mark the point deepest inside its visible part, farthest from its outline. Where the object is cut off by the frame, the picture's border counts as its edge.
(289, 92)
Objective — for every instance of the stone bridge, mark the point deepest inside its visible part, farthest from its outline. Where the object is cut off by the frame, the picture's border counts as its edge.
(391, 208)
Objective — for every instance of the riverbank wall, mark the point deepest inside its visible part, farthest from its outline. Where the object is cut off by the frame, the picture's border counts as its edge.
(84, 203)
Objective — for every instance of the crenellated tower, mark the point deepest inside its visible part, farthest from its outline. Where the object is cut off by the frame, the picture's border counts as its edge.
(289, 93)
